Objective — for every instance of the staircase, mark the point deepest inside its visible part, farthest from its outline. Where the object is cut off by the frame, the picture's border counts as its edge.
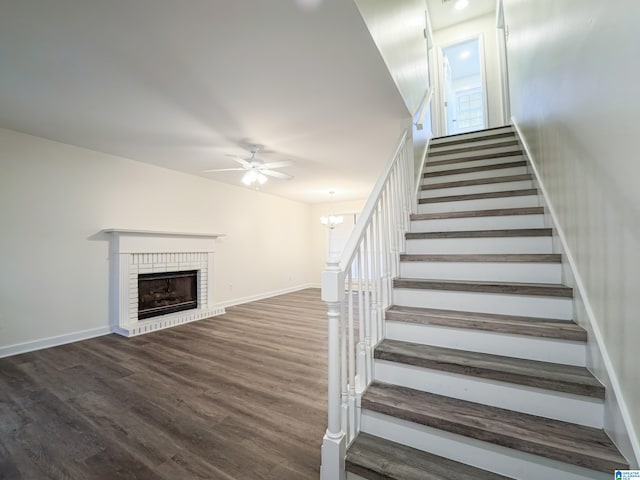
(481, 374)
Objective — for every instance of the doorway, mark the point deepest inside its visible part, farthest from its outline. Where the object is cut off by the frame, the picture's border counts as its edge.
(465, 106)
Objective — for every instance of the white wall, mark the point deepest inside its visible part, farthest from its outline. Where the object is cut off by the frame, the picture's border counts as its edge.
(485, 26)
(56, 198)
(573, 70)
(397, 29)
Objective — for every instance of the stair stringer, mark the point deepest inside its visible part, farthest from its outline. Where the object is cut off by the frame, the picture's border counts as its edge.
(617, 420)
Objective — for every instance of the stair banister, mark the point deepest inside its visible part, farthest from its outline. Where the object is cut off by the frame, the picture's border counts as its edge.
(366, 270)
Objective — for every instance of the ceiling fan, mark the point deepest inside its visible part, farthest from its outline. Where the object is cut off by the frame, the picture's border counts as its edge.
(256, 171)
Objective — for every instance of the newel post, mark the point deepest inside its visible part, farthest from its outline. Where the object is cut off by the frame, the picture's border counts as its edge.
(334, 441)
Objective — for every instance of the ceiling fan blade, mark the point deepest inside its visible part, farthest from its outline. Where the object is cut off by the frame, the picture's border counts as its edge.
(285, 163)
(224, 170)
(241, 161)
(280, 175)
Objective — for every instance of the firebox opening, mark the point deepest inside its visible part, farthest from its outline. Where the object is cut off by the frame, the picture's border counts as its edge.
(166, 292)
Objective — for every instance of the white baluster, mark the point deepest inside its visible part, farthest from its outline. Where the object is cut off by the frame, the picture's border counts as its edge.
(344, 390)
(352, 360)
(367, 303)
(400, 215)
(362, 356)
(379, 271)
(407, 167)
(392, 219)
(390, 232)
(384, 252)
(375, 311)
(395, 212)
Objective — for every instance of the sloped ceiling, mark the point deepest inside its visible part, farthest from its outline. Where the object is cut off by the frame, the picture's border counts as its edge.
(183, 85)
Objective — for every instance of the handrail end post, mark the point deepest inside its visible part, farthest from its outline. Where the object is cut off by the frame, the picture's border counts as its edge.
(333, 457)
(332, 282)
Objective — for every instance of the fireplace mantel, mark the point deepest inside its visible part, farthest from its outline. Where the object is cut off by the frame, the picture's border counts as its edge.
(155, 233)
(133, 252)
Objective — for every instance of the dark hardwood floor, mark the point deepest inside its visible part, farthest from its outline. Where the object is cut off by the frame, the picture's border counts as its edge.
(236, 397)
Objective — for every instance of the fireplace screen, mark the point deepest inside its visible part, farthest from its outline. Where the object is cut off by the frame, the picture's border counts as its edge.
(166, 292)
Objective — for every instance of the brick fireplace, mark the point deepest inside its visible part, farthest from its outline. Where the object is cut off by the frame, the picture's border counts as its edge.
(137, 255)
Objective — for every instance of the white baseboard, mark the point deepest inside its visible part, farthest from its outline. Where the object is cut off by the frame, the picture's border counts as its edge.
(55, 341)
(262, 296)
(591, 316)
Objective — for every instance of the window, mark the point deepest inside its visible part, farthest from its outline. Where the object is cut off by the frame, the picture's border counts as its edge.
(470, 111)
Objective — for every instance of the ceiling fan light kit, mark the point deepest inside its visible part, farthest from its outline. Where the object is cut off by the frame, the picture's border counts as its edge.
(253, 176)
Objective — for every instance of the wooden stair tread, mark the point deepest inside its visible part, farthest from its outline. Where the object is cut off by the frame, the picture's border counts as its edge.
(485, 258)
(490, 134)
(453, 151)
(480, 156)
(509, 324)
(532, 373)
(376, 458)
(570, 443)
(510, 232)
(495, 212)
(480, 168)
(508, 288)
(480, 196)
(478, 181)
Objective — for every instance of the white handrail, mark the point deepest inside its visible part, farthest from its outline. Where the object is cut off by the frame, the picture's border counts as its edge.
(366, 269)
(425, 108)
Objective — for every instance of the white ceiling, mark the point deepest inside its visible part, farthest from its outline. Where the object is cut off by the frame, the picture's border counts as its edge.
(183, 85)
(443, 14)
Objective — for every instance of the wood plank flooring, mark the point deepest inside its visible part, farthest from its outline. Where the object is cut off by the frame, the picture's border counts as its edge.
(236, 397)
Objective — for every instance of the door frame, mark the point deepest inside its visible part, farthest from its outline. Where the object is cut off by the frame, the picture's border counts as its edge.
(503, 37)
(442, 119)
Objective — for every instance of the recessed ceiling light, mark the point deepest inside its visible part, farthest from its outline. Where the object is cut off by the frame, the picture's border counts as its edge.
(461, 4)
(464, 55)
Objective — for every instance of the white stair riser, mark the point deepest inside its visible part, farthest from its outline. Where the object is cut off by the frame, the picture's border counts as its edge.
(480, 134)
(484, 271)
(353, 476)
(470, 189)
(511, 151)
(522, 201)
(499, 222)
(517, 346)
(454, 177)
(524, 305)
(484, 455)
(533, 401)
(480, 245)
(480, 143)
(469, 163)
